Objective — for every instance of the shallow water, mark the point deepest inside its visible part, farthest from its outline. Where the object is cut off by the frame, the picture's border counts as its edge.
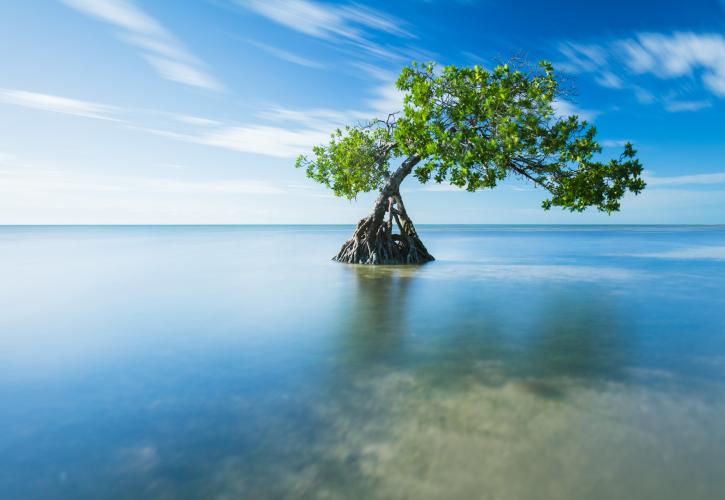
(239, 362)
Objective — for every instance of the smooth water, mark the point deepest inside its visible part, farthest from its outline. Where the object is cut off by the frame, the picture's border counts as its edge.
(239, 362)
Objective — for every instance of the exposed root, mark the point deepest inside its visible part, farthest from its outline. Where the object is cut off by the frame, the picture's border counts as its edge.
(374, 241)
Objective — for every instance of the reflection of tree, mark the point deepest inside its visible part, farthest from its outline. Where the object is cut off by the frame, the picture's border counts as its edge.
(415, 345)
(454, 332)
(376, 324)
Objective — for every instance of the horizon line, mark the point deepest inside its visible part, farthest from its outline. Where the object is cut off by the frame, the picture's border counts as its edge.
(162, 224)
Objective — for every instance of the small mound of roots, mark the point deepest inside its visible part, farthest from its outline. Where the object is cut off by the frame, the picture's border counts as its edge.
(375, 243)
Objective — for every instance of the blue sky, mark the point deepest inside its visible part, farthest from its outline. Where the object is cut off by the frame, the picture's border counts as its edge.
(121, 111)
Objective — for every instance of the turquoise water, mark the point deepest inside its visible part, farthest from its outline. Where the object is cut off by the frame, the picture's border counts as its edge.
(527, 362)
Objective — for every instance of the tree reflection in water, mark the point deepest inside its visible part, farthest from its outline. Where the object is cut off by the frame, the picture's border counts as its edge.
(402, 318)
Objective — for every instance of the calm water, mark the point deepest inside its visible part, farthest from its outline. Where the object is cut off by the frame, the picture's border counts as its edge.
(239, 362)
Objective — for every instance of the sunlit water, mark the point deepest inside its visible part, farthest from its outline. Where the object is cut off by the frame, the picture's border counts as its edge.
(239, 362)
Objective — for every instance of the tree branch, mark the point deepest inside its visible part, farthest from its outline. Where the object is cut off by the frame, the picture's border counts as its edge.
(522, 171)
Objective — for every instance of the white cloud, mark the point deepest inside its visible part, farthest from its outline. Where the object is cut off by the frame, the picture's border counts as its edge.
(387, 99)
(282, 132)
(365, 16)
(21, 180)
(441, 188)
(565, 108)
(160, 48)
(264, 140)
(318, 118)
(120, 13)
(676, 106)
(25, 179)
(296, 136)
(610, 80)
(679, 54)
(57, 104)
(325, 21)
(583, 58)
(665, 56)
(31, 195)
(301, 130)
(374, 72)
(303, 16)
(714, 178)
(231, 186)
(343, 25)
(643, 96)
(614, 143)
(183, 73)
(5, 158)
(288, 56)
(194, 120)
(291, 132)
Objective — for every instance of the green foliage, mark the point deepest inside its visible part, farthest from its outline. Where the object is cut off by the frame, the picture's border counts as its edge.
(473, 128)
(356, 160)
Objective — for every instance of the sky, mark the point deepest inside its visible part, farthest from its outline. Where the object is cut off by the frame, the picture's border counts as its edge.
(131, 112)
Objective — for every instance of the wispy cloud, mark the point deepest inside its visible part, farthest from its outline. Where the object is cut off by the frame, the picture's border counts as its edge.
(713, 178)
(679, 54)
(33, 194)
(166, 55)
(643, 95)
(264, 140)
(285, 55)
(441, 188)
(57, 104)
(677, 106)
(27, 178)
(230, 186)
(194, 120)
(277, 131)
(286, 132)
(614, 143)
(182, 72)
(22, 179)
(565, 108)
(610, 80)
(326, 21)
(253, 138)
(617, 63)
(5, 158)
(350, 24)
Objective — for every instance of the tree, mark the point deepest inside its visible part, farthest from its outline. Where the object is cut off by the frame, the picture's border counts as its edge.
(473, 128)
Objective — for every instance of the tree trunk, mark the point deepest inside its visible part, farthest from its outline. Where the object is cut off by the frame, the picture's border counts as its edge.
(374, 241)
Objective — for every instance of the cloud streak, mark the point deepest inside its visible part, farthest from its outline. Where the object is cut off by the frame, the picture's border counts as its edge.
(57, 104)
(164, 53)
(565, 108)
(350, 24)
(29, 179)
(680, 180)
(664, 56)
(680, 54)
(326, 21)
(677, 106)
(288, 56)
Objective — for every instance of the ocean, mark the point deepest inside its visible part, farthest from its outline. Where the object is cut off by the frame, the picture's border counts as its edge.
(526, 362)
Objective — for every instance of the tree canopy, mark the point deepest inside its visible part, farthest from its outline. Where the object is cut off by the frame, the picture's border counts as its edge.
(475, 127)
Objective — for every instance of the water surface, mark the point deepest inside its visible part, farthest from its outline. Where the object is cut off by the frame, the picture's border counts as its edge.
(546, 362)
